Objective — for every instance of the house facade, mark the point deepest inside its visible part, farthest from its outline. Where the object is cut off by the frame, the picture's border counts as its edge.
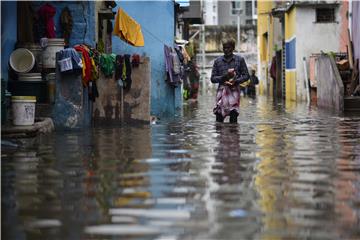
(288, 34)
(90, 20)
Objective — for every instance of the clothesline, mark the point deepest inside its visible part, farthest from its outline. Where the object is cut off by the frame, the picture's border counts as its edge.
(154, 36)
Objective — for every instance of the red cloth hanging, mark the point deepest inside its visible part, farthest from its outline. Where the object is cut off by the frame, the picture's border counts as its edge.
(47, 13)
(87, 64)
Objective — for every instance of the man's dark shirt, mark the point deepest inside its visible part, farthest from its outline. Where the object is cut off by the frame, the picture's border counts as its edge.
(221, 66)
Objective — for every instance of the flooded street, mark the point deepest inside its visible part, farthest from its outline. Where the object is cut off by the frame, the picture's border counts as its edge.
(284, 171)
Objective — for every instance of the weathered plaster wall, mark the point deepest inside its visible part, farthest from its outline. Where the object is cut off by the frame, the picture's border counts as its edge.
(263, 31)
(312, 38)
(330, 90)
(71, 106)
(136, 105)
(157, 22)
(8, 34)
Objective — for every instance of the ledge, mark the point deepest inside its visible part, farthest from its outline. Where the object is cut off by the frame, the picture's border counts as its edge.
(41, 126)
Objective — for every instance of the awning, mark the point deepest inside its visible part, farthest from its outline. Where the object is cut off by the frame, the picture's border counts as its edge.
(128, 29)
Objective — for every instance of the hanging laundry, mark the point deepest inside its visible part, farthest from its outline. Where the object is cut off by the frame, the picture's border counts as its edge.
(66, 23)
(107, 64)
(186, 55)
(179, 59)
(172, 69)
(47, 13)
(93, 91)
(179, 54)
(86, 63)
(127, 72)
(69, 60)
(119, 61)
(135, 61)
(128, 29)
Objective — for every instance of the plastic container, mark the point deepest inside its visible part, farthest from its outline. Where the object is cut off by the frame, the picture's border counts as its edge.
(22, 60)
(30, 77)
(51, 87)
(49, 53)
(36, 51)
(23, 109)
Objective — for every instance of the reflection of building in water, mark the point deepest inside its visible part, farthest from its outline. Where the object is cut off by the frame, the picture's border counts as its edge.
(117, 149)
(347, 184)
(272, 175)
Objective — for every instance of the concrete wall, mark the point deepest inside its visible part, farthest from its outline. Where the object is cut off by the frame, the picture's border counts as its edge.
(330, 90)
(313, 38)
(109, 109)
(225, 16)
(211, 12)
(263, 32)
(291, 58)
(71, 109)
(8, 34)
(157, 23)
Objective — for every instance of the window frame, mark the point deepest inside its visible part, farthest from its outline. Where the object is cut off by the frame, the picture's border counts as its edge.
(324, 20)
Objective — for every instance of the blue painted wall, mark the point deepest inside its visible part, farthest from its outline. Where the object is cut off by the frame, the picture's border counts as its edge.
(8, 34)
(157, 24)
(83, 15)
(290, 51)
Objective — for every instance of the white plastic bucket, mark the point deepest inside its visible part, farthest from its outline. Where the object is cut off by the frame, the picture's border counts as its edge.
(23, 109)
(22, 60)
(36, 51)
(49, 53)
(51, 87)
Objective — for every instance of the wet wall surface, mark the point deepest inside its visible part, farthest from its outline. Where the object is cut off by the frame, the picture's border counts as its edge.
(284, 171)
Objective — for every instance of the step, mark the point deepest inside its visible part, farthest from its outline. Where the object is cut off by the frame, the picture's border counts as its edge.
(352, 103)
(43, 110)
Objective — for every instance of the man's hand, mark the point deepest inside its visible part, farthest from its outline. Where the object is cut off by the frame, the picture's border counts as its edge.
(231, 73)
(230, 83)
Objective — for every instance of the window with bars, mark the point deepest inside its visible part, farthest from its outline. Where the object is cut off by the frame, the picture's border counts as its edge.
(325, 15)
(235, 7)
(248, 8)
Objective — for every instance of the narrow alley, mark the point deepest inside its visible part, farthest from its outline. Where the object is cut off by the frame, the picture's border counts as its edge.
(282, 172)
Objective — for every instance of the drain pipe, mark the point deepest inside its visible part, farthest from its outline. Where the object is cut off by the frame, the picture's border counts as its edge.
(306, 82)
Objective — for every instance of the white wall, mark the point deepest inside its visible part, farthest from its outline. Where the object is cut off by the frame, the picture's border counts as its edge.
(311, 38)
(211, 12)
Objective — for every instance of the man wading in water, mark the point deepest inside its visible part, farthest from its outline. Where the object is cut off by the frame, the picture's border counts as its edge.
(228, 71)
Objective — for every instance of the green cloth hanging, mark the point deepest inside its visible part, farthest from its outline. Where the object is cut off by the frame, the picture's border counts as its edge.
(107, 64)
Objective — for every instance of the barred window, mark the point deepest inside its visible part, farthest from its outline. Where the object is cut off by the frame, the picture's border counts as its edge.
(235, 7)
(324, 15)
(248, 8)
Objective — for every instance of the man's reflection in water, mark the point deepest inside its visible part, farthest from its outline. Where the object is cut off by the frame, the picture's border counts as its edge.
(227, 169)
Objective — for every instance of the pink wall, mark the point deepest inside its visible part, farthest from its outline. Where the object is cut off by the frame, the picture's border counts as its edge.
(356, 29)
(344, 25)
